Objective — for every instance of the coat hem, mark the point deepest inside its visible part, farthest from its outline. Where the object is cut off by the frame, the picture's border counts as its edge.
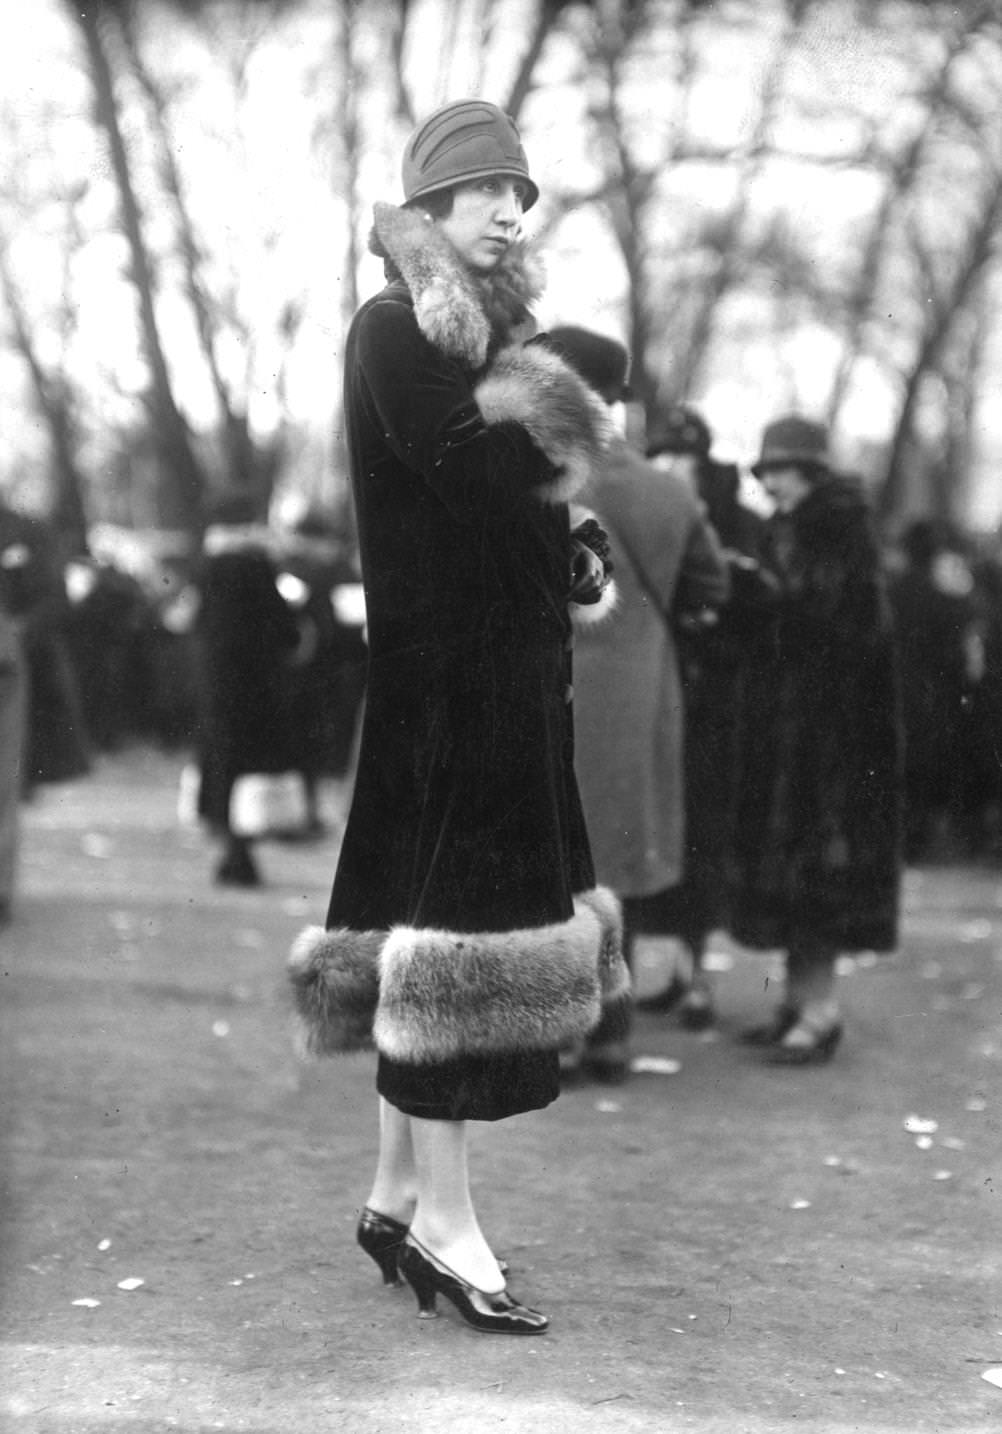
(426, 995)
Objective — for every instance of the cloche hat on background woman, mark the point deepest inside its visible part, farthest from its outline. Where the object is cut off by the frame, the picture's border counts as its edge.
(794, 441)
(602, 362)
(681, 430)
(464, 140)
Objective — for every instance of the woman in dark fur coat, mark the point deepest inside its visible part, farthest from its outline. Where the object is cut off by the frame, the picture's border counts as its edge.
(465, 934)
(246, 637)
(819, 814)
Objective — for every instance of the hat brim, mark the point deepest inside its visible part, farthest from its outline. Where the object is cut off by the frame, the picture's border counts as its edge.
(814, 462)
(531, 188)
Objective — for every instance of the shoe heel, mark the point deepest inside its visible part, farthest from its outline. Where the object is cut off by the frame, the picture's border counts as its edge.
(387, 1262)
(381, 1237)
(425, 1293)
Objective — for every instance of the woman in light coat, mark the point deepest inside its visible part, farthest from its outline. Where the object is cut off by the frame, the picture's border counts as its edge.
(629, 703)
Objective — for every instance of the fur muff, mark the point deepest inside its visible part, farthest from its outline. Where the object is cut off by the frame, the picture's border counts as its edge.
(455, 311)
(424, 995)
(532, 386)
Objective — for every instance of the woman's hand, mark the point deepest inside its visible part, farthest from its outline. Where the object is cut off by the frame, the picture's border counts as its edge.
(588, 577)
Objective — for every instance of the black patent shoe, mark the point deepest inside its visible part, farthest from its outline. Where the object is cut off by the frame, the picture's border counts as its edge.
(380, 1236)
(237, 868)
(695, 1011)
(489, 1313)
(772, 1032)
(816, 1052)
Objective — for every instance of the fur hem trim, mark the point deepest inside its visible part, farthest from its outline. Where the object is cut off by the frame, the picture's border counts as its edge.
(334, 977)
(590, 614)
(425, 995)
(534, 387)
(613, 972)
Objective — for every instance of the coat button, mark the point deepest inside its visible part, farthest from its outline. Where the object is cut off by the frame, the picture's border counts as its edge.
(568, 693)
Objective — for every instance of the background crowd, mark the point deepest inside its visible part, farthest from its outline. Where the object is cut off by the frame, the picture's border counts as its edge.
(111, 650)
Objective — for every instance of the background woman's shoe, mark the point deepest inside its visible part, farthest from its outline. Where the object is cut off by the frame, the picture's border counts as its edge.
(609, 1063)
(695, 1011)
(806, 1045)
(772, 1031)
(238, 867)
(489, 1313)
(663, 1001)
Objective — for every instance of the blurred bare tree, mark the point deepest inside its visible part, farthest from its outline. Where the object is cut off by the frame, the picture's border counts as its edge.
(789, 203)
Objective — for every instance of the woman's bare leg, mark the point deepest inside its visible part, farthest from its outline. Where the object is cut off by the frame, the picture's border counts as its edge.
(445, 1221)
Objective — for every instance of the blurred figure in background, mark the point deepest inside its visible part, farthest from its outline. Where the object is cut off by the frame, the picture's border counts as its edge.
(818, 822)
(985, 816)
(35, 596)
(628, 700)
(13, 704)
(940, 655)
(714, 659)
(108, 637)
(326, 685)
(246, 634)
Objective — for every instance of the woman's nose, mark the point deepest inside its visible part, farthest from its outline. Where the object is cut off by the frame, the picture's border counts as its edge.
(509, 207)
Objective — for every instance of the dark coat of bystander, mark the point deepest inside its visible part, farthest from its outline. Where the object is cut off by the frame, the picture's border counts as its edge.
(820, 805)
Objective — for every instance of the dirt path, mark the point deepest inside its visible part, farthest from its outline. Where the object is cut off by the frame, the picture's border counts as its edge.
(730, 1249)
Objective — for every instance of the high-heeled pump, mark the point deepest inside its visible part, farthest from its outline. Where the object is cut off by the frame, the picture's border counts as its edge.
(380, 1236)
(488, 1313)
(819, 1049)
(784, 1018)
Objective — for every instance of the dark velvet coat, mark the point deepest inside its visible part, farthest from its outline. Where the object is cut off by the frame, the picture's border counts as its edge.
(819, 808)
(465, 935)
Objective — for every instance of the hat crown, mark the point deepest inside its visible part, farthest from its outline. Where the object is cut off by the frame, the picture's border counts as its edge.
(465, 140)
(681, 430)
(602, 362)
(794, 440)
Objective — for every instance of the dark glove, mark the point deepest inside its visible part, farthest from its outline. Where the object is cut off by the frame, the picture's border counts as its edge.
(588, 574)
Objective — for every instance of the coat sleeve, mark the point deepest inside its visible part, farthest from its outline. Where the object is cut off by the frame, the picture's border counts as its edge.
(704, 582)
(430, 420)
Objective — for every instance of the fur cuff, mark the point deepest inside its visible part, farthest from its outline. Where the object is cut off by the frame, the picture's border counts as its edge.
(426, 996)
(589, 614)
(534, 387)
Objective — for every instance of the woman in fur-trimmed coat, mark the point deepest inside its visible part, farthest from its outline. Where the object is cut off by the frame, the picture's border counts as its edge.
(465, 934)
(818, 851)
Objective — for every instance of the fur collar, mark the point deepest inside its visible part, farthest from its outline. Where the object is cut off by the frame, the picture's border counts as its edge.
(465, 316)
(484, 323)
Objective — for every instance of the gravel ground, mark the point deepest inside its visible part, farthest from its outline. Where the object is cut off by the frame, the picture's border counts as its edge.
(728, 1248)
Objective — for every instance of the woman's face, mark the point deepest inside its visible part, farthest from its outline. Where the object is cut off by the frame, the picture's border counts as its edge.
(787, 486)
(485, 219)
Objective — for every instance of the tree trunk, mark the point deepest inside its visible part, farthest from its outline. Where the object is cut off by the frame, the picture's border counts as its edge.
(68, 510)
(945, 314)
(182, 480)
